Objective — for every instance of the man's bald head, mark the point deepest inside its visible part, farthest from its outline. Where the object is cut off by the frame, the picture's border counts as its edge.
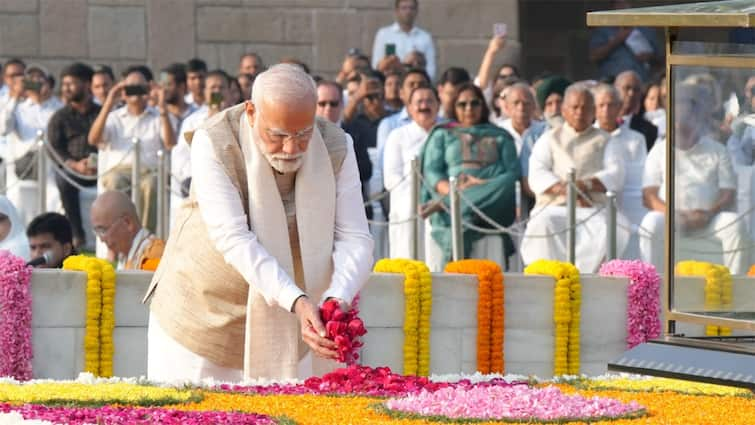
(115, 203)
(115, 221)
(629, 85)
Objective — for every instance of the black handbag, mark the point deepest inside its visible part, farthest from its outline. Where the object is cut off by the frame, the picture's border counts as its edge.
(26, 166)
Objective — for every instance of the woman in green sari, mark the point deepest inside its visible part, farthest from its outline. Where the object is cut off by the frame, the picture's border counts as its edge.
(483, 159)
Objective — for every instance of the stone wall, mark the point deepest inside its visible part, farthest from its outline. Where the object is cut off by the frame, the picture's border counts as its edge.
(158, 32)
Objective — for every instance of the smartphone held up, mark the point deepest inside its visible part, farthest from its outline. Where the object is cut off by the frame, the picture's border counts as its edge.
(499, 29)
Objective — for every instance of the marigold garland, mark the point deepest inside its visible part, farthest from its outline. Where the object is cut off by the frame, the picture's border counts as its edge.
(718, 289)
(418, 308)
(643, 298)
(100, 321)
(567, 303)
(490, 313)
(83, 394)
(15, 317)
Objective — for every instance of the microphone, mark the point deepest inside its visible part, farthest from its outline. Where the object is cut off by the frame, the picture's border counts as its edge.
(46, 258)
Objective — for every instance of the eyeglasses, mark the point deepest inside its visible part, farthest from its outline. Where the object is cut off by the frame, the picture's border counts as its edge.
(101, 231)
(472, 104)
(279, 137)
(372, 97)
(331, 103)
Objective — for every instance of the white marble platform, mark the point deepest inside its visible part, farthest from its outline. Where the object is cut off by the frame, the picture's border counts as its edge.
(528, 345)
(59, 311)
(58, 323)
(689, 296)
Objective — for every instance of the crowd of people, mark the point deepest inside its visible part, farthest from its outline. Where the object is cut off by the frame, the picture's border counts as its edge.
(508, 140)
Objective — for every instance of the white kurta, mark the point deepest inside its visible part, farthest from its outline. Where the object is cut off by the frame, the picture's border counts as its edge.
(551, 220)
(180, 158)
(223, 213)
(20, 121)
(403, 144)
(701, 172)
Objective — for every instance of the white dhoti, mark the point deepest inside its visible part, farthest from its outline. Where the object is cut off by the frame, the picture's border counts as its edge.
(723, 239)
(169, 361)
(591, 237)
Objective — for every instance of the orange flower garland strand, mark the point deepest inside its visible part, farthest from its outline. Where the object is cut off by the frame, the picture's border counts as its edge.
(490, 314)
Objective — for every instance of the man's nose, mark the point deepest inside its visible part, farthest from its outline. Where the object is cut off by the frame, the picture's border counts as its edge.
(290, 147)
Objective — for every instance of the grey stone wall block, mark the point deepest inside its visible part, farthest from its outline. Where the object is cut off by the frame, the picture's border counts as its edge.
(18, 5)
(117, 32)
(64, 28)
(19, 35)
(236, 24)
(171, 31)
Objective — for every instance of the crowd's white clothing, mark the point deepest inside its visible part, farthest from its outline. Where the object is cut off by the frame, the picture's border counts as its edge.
(416, 39)
(16, 241)
(189, 98)
(658, 119)
(403, 144)
(552, 219)
(508, 125)
(228, 228)
(19, 123)
(120, 128)
(741, 141)
(180, 159)
(700, 173)
(630, 199)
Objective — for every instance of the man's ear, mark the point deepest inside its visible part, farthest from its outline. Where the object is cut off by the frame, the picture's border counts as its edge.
(250, 111)
(67, 250)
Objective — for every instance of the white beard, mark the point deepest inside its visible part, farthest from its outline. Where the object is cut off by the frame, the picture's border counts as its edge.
(278, 160)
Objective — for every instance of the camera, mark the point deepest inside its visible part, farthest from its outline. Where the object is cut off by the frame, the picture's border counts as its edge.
(135, 90)
(216, 98)
(34, 86)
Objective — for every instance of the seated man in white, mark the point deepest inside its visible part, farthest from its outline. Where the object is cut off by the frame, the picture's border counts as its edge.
(705, 188)
(607, 110)
(597, 161)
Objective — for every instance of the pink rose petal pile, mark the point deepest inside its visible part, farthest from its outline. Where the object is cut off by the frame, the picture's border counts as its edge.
(513, 402)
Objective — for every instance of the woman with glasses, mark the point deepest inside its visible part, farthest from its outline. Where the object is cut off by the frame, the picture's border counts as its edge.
(482, 157)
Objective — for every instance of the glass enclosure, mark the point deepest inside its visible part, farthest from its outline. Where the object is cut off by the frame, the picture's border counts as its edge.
(705, 168)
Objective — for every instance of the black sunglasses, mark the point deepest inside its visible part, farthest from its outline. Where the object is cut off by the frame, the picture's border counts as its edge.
(472, 104)
(372, 97)
(332, 103)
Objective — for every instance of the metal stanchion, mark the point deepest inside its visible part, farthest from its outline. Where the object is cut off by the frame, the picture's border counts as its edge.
(41, 172)
(160, 194)
(611, 199)
(414, 201)
(571, 211)
(136, 177)
(457, 241)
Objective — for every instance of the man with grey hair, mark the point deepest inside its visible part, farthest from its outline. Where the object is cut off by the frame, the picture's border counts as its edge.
(597, 161)
(629, 86)
(607, 110)
(274, 226)
(705, 188)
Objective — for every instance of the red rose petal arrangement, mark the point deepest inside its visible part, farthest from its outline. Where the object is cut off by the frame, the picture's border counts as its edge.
(344, 328)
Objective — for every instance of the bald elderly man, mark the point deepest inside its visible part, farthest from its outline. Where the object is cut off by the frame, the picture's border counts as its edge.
(274, 225)
(117, 224)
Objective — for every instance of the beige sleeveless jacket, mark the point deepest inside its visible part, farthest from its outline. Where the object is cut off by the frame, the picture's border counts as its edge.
(199, 299)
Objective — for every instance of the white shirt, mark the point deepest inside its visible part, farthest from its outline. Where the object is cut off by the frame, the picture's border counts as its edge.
(25, 118)
(180, 159)
(541, 175)
(416, 39)
(403, 144)
(121, 127)
(227, 225)
(700, 173)
(508, 125)
(189, 98)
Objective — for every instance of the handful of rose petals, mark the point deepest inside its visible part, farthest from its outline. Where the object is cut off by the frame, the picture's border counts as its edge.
(344, 328)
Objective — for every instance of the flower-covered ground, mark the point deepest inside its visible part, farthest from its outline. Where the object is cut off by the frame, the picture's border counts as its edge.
(361, 395)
